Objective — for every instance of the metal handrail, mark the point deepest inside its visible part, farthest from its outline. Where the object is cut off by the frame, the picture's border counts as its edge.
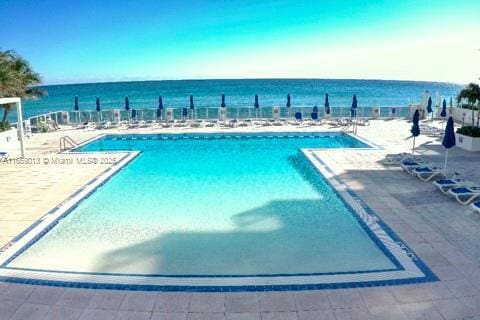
(63, 143)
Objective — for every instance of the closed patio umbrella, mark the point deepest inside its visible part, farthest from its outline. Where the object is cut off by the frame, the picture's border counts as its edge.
(429, 106)
(448, 140)
(223, 104)
(353, 112)
(354, 106)
(97, 102)
(160, 107)
(288, 105)
(192, 106)
(127, 107)
(76, 108)
(327, 104)
(443, 114)
(256, 105)
(415, 128)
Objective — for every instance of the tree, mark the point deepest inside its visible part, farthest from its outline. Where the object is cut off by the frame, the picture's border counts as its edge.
(17, 79)
(471, 94)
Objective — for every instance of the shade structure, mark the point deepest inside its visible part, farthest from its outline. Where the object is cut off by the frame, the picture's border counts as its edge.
(97, 103)
(75, 106)
(127, 104)
(223, 105)
(448, 140)
(256, 105)
(327, 104)
(192, 106)
(443, 114)
(415, 128)
(429, 105)
(160, 102)
(289, 104)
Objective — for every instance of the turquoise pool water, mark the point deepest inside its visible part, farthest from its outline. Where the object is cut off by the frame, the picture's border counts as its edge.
(215, 205)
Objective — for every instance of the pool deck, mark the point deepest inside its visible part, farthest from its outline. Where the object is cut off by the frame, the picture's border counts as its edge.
(444, 234)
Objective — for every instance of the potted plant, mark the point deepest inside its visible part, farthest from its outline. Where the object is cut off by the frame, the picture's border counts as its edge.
(468, 136)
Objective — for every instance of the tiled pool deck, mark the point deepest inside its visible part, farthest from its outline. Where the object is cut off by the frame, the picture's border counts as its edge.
(444, 234)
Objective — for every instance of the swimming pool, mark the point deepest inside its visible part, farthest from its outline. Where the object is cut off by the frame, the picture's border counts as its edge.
(216, 211)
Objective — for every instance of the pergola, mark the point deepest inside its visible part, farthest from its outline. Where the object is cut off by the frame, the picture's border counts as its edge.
(18, 104)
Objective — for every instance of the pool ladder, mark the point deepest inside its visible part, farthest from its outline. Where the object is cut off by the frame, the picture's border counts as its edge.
(67, 143)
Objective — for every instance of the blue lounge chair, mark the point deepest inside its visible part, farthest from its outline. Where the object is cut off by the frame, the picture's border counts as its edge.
(3, 154)
(476, 206)
(427, 173)
(409, 165)
(465, 195)
(446, 184)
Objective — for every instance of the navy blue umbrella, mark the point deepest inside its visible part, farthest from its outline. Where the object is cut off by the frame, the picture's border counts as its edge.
(415, 128)
(327, 104)
(223, 105)
(160, 107)
(288, 101)
(75, 106)
(98, 105)
(354, 106)
(127, 104)
(184, 112)
(256, 105)
(443, 114)
(191, 102)
(448, 140)
(160, 102)
(134, 113)
(429, 105)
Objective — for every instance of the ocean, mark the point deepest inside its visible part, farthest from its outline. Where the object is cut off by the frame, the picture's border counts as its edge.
(238, 93)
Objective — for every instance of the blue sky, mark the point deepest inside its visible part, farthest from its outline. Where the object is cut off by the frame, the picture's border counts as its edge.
(87, 41)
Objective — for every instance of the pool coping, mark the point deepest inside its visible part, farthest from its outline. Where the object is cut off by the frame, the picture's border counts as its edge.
(412, 269)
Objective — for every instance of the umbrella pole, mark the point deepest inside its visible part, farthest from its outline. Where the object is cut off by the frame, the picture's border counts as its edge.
(413, 148)
(445, 165)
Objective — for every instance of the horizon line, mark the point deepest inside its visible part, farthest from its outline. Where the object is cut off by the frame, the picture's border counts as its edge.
(246, 79)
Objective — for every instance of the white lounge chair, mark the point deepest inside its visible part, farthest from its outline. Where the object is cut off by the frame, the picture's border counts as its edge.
(476, 206)
(427, 173)
(465, 195)
(448, 183)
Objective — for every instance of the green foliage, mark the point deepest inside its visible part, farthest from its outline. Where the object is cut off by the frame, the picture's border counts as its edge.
(470, 131)
(471, 95)
(17, 79)
(469, 107)
(4, 126)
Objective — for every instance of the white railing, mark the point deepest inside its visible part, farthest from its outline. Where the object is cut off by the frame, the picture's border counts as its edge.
(207, 113)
